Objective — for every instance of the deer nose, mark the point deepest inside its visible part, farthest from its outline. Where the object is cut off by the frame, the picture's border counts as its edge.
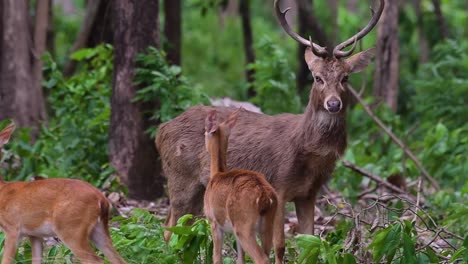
(334, 105)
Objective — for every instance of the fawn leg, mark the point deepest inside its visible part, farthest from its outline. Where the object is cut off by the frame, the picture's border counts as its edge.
(11, 240)
(217, 234)
(101, 238)
(36, 245)
(240, 252)
(278, 232)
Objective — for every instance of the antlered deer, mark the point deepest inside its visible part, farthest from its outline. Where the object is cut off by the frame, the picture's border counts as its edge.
(296, 153)
(237, 200)
(73, 210)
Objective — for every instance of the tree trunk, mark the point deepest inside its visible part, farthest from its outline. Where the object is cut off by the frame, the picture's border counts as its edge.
(97, 28)
(173, 30)
(308, 26)
(423, 43)
(352, 6)
(440, 19)
(132, 152)
(40, 45)
(244, 10)
(387, 56)
(19, 97)
(333, 4)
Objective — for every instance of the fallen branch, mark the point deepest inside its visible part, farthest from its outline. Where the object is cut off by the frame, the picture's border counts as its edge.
(408, 152)
(373, 177)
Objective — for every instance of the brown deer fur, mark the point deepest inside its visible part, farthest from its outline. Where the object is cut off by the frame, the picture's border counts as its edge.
(296, 153)
(236, 199)
(73, 210)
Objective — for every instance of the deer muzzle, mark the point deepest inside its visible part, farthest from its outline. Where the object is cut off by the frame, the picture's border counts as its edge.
(333, 104)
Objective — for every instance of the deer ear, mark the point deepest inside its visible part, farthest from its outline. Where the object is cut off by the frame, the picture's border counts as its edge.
(211, 122)
(232, 118)
(6, 133)
(359, 61)
(309, 57)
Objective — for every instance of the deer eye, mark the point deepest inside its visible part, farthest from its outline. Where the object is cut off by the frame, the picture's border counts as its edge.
(318, 79)
(345, 79)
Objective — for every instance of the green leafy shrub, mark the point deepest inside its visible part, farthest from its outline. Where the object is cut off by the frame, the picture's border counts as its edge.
(192, 242)
(165, 84)
(274, 80)
(74, 142)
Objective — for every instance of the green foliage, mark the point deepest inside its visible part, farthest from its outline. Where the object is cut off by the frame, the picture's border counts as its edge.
(140, 239)
(165, 84)
(274, 80)
(74, 142)
(441, 86)
(192, 242)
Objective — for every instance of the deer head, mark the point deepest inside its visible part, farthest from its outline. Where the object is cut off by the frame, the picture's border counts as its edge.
(331, 70)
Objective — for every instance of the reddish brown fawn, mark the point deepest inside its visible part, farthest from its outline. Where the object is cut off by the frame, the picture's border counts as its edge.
(72, 210)
(237, 200)
(296, 153)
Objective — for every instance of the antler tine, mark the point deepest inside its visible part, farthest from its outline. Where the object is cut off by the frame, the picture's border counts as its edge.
(281, 16)
(338, 53)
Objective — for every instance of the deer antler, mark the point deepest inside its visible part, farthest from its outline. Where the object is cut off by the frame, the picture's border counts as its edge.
(338, 51)
(281, 16)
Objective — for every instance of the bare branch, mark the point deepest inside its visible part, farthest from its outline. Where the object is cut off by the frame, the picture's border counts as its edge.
(408, 152)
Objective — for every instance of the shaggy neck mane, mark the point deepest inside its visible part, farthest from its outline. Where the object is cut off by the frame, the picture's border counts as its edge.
(321, 130)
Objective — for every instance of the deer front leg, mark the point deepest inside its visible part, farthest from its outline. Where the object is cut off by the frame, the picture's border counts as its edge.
(305, 210)
(36, 245)
(11, 240)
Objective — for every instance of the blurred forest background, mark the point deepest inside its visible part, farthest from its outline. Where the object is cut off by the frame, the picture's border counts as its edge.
(89, 82)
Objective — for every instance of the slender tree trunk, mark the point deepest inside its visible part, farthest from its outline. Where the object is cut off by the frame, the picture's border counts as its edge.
(173, 30)
(132, 152)
(444, 31)
(423, 43)
(244, 10)
(50, 29)
(308, 26)
(387, 57)
(352, 6)
(333, 4)
(19, 98)
(83, 35)
(102, 28)
(40, 45)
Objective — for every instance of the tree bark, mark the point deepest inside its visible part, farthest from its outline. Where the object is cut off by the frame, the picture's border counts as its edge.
(333, 4)
(132, 152)
(249, 52)
(423, 43)
(97, 28)
(173, 30)
(19, 97)
(440, 19)
(308, 26)
(40, 45)
(387, 56)
(352, 6)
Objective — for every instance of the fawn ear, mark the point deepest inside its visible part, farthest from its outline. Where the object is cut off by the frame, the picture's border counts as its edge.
(232, 118)
(211, 122)
(6, 133)
(359, 61)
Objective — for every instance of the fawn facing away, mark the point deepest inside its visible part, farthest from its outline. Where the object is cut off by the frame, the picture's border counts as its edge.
(73, 210)
(238, 200)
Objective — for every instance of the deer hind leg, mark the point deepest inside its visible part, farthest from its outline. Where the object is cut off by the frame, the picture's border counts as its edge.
(36, 245)
(185, 198)
(240, 252)
(245, 233)
(217, 235)
(11, 240)
(266, 230)
(101, 238)
(76, 238)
